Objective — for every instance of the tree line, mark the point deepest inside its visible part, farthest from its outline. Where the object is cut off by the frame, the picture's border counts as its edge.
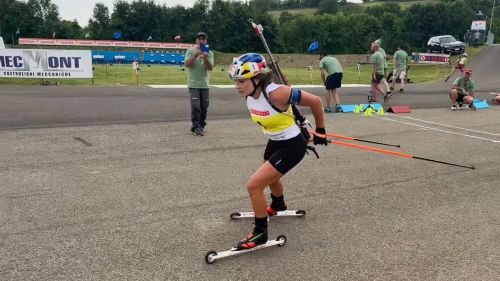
(338, 26)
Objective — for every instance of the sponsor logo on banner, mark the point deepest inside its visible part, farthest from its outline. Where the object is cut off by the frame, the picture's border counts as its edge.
(45, 63)
(430, 58)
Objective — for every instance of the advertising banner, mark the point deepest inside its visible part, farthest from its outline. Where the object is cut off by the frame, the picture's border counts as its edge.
(478, 25)
(45, 63)
(430, 58)
(103, 43)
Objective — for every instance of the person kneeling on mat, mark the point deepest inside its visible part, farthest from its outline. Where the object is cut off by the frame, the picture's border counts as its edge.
(462, 91)
(271, 107)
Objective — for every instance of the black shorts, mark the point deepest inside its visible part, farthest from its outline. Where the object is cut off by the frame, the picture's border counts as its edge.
(333, 81)
(284, 155)
(460, 96)
(378, 78)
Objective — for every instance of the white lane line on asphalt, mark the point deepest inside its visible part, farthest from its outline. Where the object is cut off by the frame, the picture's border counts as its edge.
(444, 125)
(440, 130)
(233, 86)
(322, 86)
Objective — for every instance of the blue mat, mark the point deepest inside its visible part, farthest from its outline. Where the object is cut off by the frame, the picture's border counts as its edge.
(375, 106)
(351, 107)
(481, 104)
(348, 107)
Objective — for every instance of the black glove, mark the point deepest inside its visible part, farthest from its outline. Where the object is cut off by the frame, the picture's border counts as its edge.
(320, 140)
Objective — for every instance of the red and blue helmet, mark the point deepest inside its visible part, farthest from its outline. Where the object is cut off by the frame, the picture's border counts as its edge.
(247, 66)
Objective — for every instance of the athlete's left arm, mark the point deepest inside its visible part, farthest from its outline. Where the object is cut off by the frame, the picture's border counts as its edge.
(316, 106)
(285, 95)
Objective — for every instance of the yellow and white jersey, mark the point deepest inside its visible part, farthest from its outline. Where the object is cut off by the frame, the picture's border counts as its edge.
(275, 125)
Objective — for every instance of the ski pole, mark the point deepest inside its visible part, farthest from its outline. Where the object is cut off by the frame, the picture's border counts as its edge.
(394, 153)
(259, 30)
(356, 139)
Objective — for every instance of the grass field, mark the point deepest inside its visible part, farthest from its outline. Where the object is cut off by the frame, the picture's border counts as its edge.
(174, 75)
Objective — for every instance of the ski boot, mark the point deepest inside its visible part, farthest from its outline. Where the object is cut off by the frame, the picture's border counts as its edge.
(254, 239)
(277, 205)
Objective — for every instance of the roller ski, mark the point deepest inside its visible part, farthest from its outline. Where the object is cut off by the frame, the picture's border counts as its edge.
(277, 208)
(245, 246)
(270, 212)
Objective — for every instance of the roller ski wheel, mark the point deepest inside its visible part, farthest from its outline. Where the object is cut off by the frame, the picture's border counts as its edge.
(281, 238)
(209, 257)
(235, 215)
(286, 213)
(212, 256)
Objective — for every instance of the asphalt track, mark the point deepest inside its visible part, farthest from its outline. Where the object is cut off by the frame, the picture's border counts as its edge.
(108, 184)
(50, 106)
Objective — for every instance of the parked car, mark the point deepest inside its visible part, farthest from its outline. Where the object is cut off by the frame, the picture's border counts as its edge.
(445, 44)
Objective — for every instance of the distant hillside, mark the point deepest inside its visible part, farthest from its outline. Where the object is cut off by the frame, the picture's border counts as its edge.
(403, 4)
(305, 12)
(311, 11)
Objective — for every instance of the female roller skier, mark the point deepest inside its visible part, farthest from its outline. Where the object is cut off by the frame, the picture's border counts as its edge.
(270, 107)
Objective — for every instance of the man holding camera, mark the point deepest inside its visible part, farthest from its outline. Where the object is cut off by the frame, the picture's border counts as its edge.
(199, 61)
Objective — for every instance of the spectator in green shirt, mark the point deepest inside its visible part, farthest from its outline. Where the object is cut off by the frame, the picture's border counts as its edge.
(199, 61)
(399, 62)
(462, 90)
(378, 77)
(331, 74)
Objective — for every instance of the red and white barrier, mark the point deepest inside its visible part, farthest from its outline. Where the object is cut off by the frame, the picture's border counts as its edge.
(103, 43)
